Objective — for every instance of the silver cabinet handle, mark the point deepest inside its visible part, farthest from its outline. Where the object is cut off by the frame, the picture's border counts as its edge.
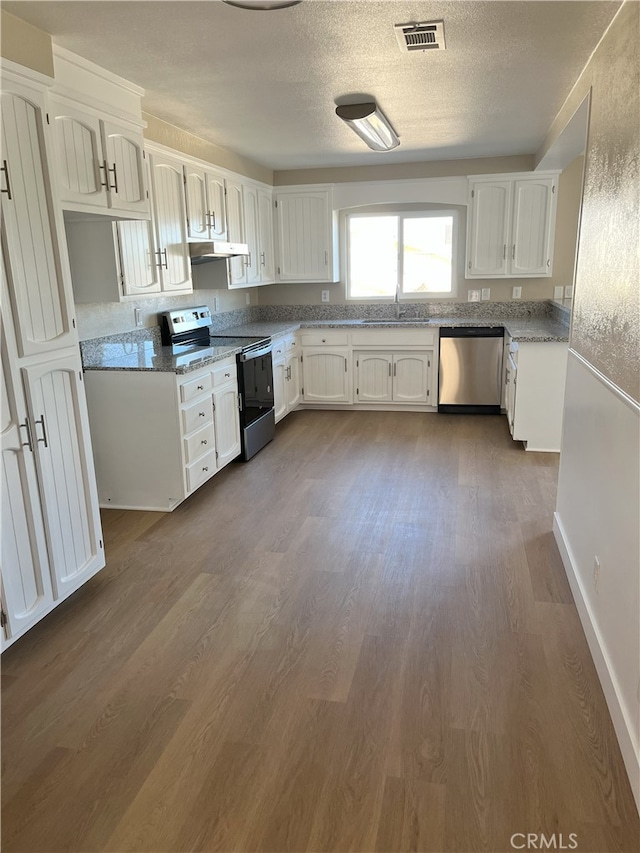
(29, 442)
(212, 214)
(205, 468)
(40, 421)
(202, 414)
(395, 369)
(249, 261)
(389, 368)
(204, 441)
(227, 375)
(326, 258)
(104, 165)
(115, 179)
(200, 387)
(162, 264)
(513, 253)
(262, 260)
(504, 252)
(7, 189)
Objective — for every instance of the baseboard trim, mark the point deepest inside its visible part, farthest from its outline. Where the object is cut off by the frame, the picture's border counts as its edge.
(622, 724)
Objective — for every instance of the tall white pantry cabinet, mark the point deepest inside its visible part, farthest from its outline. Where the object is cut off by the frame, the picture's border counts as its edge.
(51, 534)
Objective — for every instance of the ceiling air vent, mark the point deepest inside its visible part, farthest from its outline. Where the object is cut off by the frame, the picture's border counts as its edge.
(426, 36)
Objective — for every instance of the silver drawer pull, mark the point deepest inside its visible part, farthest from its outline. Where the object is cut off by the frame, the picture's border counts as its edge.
(227, 375)
(202, 414)
(205, 469)
(204, 441)
(7, 189)
(200, 387)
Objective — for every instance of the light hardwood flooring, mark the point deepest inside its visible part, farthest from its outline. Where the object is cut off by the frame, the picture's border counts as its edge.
(361, 640)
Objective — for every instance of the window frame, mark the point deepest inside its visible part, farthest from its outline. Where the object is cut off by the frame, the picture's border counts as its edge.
(411, 213)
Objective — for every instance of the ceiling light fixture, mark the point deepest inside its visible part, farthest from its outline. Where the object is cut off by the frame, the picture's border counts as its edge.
(371, 124)
(263, 5)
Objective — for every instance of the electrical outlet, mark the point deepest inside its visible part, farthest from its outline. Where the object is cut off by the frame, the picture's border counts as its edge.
(596, 573)
(325, 295)
(137, 313)
(247, 298)
(473, 296)
(568, 292)
(486, 294)
(558, 292)
(516, 292)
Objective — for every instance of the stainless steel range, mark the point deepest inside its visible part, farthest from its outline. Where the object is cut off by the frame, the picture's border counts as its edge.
(188, 331)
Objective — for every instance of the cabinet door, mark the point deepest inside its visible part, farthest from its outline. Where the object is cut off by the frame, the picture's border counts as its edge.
(265, 230)
(488, 229)
(235, 230)
(303, 236)
(280, 383)
(197, 207)
(533, 225)
(38, 276)
(411, 373)
(26, 580)
(292, 386)
(253, 267)
(227, 425)
(216, 206)
(81, 166)
(171, 225)
(57, 409)
(124, 150)
(326, 376)
(373, 377)
(138, 260)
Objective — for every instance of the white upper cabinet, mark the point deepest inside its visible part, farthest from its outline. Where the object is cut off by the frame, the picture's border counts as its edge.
(511, 226)
(304, 235)
(99, 163)
(205, 203)
(235, 230)
(265, 230)
(136, 255)
(251, 226)
(170, 217)
(41, 294)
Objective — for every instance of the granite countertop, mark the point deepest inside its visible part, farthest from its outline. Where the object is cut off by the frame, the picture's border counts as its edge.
(521, 329)
(142, 349)
(106, 354)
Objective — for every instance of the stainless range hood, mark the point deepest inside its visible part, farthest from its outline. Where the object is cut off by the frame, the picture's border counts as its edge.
(213, 250)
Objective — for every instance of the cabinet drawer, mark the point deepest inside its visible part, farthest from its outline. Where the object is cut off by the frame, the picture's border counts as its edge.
(282, 346)
(292, 344)
(410, 337)
(224, 372)
(197, 415)
(200, 471)
(199, 443)
(330, 338)
(195, 387)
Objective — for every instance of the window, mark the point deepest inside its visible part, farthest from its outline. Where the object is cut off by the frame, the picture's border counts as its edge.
(411, 253)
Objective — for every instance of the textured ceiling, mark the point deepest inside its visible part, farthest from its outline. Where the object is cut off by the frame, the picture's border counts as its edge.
(265, 84)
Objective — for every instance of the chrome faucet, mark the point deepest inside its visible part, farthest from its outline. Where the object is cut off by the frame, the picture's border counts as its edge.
(397, 302)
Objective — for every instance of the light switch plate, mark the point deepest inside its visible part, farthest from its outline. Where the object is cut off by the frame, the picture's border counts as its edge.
(516, 292)
(486, 294)
(247, 298)
(568, 292)
(325, 295)
(473, 296)
(137, 313)
(558, 292)
(215, 304)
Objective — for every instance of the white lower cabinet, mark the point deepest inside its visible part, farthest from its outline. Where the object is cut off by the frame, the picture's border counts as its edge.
(534, 393)
(286, 376)
(385, 377)
(326, 375)
(157, 436)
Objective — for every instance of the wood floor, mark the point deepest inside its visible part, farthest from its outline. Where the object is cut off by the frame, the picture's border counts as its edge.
(361, 640)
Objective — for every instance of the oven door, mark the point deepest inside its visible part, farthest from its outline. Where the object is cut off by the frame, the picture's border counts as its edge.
(255, 383)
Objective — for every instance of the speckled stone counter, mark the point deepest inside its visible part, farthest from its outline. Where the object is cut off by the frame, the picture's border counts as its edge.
(142, 350)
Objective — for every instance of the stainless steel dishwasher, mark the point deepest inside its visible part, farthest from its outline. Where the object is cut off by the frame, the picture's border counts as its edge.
(470, 374)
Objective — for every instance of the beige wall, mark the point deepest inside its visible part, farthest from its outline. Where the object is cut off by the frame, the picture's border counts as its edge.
(406, 171)
(606, 319)
(22, 43)
(569, 192)
(181, 140)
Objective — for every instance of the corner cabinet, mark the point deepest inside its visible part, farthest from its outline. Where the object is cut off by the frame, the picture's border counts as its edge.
(511, 226)
(51, 535)
(305, 235)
